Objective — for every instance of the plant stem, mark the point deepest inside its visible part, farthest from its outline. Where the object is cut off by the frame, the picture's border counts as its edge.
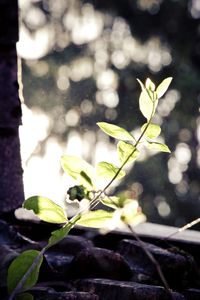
(181, 229)
(152, 259)
(96, 200)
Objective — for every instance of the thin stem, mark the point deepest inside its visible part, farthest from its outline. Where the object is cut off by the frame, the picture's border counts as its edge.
(152, 259)
(181, 229)
(96, 200)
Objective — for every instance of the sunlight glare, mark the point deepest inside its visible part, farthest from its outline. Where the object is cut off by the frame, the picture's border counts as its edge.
(107, 79)
(84, 27)
(72, 117)
(37, 45)
(35, 128)
(108, 98)
(163, 209)
(81, 69)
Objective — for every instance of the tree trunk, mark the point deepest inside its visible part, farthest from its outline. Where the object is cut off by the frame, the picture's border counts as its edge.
(11, 185)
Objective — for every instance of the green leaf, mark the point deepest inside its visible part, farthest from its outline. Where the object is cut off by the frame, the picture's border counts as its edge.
(149, 88)
(24, 296)
(152, 131)
(150, 85)
(96, 218)
(108, 170)
(141, 84)
(45, 209)
(111, 201)
(158, 146)
(147, 105)
(116, 131)
(163, 86)
(79, 169)
(60, 234)
(124, 150)
(20, 266)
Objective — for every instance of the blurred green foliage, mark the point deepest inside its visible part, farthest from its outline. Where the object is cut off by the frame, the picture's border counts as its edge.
(88, 71)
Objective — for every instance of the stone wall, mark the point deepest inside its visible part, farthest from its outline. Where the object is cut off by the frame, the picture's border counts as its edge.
(11, 186)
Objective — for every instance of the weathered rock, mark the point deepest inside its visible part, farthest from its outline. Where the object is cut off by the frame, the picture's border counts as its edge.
(38, 231)
(9, 236)
(107, 273)
(111, 289)
(6, 257)
(178, 267)
(57, 285)
(11, 245)
(50, 294)
(192, 294)
(72, 244)
(102, 263)
(59, 263)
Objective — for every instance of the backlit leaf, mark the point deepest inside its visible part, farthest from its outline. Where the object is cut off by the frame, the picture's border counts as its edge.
(163, 86)
(78, 169)
(126, 150)
(45, 209)
(96, 218)
(116, 131)
(111, 201)
(20, 266)
(146, 103)
(158, 146)
(152, 131)
(108, 170)
(149, 88)
(60, 234)
(150, 85)
(141, 84)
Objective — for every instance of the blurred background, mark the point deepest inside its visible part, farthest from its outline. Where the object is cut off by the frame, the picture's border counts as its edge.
(80, 61)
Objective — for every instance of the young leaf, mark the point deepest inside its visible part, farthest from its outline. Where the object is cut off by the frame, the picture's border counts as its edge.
(141, 84)
(108, 170)
(96, 218)
(60, 234)
(152, 131)
(124, 150)
(116, 131)
(20, 266)
(78, 169)
(158, 146)
(150, 85)
(147, 105)
(45, 209)
(111, 201)
(163, 86)
(149, 88)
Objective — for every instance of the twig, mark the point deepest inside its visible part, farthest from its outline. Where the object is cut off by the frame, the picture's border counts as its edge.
(181, 229)
(152, 259)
